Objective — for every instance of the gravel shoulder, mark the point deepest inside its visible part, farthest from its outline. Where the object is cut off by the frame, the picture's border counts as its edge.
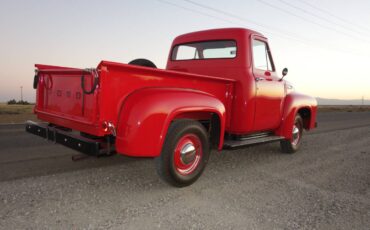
(326, 185)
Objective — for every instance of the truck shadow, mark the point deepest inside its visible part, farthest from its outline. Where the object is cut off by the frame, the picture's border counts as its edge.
(50, 164)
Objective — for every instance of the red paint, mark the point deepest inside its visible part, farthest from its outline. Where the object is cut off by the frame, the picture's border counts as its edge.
(142, 102)
(147, 113)
(292, 104)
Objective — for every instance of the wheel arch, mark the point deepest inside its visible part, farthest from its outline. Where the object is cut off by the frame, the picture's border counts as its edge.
(305, 113)
(211, 119)
(303, 105)
(146, 115)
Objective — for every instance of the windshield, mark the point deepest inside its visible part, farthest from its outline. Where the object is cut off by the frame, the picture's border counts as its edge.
(204, 50)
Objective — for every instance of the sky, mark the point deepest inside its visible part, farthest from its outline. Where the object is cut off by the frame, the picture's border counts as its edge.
(325, 44)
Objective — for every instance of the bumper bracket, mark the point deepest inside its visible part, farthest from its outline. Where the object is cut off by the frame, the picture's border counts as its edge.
(93, 147)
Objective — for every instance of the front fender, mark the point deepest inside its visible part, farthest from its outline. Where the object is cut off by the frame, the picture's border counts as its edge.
(293, 103)
(146, 114)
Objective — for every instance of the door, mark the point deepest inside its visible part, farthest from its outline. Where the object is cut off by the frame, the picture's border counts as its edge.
(270, 90)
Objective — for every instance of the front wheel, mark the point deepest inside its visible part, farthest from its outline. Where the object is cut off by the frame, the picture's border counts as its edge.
(292, 145)
(185, 153)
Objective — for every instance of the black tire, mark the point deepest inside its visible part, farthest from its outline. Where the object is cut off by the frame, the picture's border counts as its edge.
(292, 146)
(142, 62)
(168, 168)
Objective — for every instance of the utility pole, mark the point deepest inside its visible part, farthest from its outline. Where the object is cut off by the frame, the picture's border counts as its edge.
(362, 100)
(21, 93)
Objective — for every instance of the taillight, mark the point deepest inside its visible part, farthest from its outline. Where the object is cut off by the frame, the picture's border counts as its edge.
(109, 127)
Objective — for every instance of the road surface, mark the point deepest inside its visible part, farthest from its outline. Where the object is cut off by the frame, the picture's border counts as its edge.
(326, 185)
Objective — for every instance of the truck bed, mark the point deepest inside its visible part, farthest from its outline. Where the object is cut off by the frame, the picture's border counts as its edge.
(62, 101)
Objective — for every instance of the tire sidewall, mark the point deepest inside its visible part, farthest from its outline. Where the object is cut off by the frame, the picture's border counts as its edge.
(200, 132)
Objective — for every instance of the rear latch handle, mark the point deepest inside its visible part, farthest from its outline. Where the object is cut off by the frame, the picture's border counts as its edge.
(36, 79)
(95, 75)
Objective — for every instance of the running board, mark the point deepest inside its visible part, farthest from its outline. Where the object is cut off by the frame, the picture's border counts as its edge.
(232, 144)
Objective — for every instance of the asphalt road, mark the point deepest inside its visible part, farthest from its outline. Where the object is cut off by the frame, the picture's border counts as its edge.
(326, 185)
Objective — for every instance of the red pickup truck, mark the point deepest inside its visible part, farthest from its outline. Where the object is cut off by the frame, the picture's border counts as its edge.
(220, 90)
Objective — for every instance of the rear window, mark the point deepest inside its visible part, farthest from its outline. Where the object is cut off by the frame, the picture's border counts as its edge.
(204, 50)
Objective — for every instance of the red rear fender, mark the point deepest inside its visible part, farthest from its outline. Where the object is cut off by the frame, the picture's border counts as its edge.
(146, 114)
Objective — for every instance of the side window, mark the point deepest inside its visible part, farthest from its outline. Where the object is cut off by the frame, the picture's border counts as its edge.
(261, 57)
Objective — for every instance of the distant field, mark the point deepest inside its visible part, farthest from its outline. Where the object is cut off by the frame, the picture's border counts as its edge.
(16, 113)
(344, 108)
(22, 113)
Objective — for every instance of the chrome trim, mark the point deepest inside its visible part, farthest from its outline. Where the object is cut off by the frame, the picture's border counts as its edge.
(111, 128)
(295, 136)
(188, 153)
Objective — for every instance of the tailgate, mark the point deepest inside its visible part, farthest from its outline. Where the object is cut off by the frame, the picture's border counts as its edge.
(67, 94)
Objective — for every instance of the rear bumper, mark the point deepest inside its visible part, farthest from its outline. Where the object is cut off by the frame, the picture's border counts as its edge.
(85, 145)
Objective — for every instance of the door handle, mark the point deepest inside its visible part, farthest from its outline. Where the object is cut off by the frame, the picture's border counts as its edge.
(260, 78)
(267, 73)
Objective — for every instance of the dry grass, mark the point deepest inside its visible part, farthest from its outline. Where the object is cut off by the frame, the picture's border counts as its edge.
(16, 113)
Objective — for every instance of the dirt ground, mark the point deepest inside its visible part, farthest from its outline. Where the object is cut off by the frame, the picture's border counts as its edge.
(326, 185)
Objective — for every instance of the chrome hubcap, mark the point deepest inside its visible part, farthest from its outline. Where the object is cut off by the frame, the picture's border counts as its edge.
(296, 135)
(188, 153)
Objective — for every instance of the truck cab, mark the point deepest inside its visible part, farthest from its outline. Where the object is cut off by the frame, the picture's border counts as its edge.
(220, 90)
(242, 55)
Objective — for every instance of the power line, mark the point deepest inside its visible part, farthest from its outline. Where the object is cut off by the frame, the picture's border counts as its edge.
(302, 41)
(335, 16)
(239, 17)
(312, 22)
(196, 11)
(320, 17)
(231, 22)
(259, 24)
(278, 32)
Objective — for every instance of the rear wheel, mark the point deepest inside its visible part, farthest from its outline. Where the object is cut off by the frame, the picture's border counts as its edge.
(185, 153)
(291, 146)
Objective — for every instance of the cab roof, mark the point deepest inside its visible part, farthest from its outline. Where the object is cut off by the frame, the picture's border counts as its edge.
(215, 34)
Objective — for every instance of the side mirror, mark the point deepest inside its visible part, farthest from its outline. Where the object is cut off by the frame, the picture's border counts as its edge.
(284, 73)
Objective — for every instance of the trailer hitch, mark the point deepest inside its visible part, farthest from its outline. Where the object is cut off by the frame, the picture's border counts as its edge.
(95, 74)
